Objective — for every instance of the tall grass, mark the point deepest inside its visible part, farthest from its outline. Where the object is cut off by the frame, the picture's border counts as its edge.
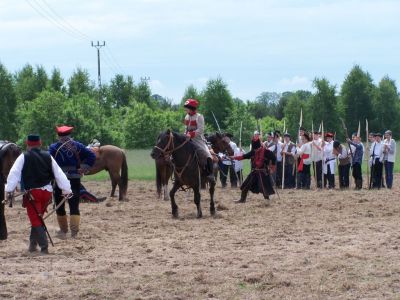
(142, 167)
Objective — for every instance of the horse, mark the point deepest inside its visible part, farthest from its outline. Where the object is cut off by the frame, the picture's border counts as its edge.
(8, 154)
(164, 171)
(113, 160)
(185, 165)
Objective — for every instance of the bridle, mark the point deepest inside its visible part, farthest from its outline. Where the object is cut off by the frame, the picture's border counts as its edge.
(170, 147)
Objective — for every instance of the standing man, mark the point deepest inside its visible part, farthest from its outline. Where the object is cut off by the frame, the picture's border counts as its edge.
(262, 163)
(389, 156)
(377, 161)
(75, 159)
(344, 164)
(329, 161)
(289, 152)
(36, 169)
(316, 157)
(194, 123)
(356, 160)
(304, 153)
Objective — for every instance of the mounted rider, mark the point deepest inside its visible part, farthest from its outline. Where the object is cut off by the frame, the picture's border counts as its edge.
(194, 123)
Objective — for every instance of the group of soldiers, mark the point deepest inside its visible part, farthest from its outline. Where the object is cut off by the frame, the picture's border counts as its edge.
(316, 157)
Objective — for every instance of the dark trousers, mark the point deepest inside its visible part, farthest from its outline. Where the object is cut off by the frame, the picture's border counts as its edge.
(389, 174)
(290, 181)
(377, 168)
(318, 170)
(305, 178)
(344, 171)
(73, 202)
(329, 178)
(226, 170)
(278, 179)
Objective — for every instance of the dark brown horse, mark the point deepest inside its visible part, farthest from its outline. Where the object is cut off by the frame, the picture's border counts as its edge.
(113, 160)
(185, 165)
(8, 154)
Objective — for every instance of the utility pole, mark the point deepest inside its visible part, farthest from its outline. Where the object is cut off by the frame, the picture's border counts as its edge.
(98, 46)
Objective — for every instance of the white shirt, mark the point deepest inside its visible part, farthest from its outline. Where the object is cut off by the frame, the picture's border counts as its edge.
(14, 177)
(238, 163)
(389, 150)
(316, 154)
(377, 152)
(305, 149)
(328, 155)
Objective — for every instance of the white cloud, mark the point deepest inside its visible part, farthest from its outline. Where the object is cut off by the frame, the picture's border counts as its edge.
(296, 82)
(156, 85)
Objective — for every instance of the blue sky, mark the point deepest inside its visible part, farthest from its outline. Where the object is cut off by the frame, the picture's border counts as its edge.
(253, 45)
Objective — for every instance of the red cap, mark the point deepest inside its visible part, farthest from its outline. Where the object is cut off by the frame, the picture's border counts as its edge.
(329, 134)
(64, 130)
(191, 103)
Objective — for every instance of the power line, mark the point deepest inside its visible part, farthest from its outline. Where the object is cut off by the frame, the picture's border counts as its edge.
(98, 46)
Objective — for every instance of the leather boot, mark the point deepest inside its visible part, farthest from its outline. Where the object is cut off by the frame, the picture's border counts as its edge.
(32, 241)
(74, 225)
(243, 197)
(210, 170)
(63, 223)
(41, 239)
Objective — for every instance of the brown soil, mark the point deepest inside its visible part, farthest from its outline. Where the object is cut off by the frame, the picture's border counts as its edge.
(305, 245)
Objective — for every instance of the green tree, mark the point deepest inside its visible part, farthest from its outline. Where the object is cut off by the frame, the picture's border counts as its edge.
(121, 90)
(143, 94)
(217, 100)
(292, 111)
(25, 84)
(41, 116)
(79, 83)
(8, 103)
(357, 96)
(56, 81)
(241, 116)
(386, 106)
(323, 105)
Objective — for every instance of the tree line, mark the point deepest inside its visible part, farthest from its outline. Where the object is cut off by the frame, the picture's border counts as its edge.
(125, 113)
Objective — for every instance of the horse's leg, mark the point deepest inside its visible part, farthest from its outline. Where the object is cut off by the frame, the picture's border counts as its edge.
(212, 204)
(197, 198)
(165, 188)
(174, 207)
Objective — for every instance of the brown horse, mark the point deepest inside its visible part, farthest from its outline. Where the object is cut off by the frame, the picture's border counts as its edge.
(113, 160)
(8, 154)
(185, 165)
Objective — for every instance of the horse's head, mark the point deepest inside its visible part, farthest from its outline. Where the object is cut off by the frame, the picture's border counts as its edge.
(8, 154)
(220, 144)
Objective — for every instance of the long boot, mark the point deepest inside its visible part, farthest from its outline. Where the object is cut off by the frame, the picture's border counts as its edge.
(358, 184)
(74, 224)
(63, 223)
(243, 197)
(32, 240)
(41, 239)
(210, 170)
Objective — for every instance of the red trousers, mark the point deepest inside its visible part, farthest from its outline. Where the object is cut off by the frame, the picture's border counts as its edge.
(40, 199)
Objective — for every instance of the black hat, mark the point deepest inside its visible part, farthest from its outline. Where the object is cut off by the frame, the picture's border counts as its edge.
(336, 144)
(378, 134)
(302, 128)
(33, 140)
(229, 135)
(277, 133)
(286, 135)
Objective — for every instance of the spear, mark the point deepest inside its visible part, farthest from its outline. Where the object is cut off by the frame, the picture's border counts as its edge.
(216, 122)
(367, 149)
(323, 142)
(359, 129)
(240, 148)
(312, 151)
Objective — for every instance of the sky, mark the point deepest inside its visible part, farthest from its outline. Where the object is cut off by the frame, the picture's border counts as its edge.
(254, 45)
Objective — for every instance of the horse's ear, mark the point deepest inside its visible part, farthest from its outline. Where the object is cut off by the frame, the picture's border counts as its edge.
(217, 134)
(168, 131)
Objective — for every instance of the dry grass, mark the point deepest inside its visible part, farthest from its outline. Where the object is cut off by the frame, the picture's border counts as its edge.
(308, 245)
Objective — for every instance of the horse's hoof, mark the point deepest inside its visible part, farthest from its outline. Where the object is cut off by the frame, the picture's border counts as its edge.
(199, 215)
(175, 214)
(212, 212)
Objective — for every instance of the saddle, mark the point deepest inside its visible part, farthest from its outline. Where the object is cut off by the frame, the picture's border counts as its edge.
(96, 151)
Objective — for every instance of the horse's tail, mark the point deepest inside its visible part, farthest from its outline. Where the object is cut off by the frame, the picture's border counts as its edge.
(124, 175)
(158, 180)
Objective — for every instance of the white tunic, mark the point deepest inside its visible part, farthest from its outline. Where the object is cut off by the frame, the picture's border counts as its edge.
(328, 155)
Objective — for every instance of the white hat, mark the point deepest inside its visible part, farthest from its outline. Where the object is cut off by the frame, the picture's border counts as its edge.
(256, 132)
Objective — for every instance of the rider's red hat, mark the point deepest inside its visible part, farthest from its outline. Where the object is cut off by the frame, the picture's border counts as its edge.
(64, 130)
(191, 103)
(33, 140)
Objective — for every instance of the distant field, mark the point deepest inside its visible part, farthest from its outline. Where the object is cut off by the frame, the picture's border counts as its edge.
(141, 166)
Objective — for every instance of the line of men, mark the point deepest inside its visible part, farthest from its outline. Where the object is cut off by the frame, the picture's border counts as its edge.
(294, 162)
(316, 157)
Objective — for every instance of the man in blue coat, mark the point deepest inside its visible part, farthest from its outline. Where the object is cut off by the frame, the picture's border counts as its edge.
(75, 160)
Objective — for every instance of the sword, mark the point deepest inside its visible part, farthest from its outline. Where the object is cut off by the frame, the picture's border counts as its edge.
(58, 206)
